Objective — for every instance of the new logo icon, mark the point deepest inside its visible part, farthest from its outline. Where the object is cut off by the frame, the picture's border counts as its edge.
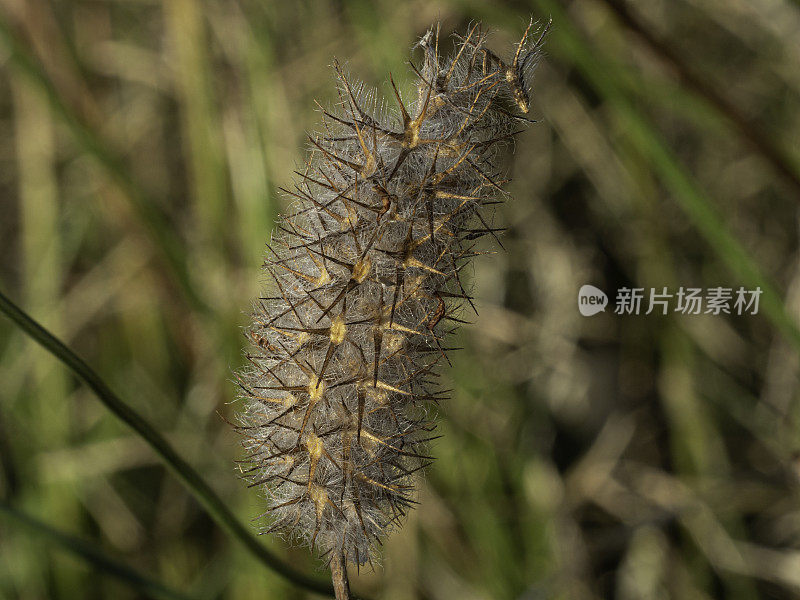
(591, 300)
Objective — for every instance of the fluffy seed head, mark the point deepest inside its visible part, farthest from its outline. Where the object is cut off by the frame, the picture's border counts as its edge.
(366, 288)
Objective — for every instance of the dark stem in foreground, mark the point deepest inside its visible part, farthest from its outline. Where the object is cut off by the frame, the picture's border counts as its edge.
(216, 508)
(339, 576)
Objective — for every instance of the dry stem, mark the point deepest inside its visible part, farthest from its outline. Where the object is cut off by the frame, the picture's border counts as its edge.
(339, 576)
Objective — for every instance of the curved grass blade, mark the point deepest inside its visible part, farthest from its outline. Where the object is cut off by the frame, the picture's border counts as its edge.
(190, 478)
(92, 555)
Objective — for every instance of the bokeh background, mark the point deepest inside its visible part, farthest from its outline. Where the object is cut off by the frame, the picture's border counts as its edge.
(629, 457)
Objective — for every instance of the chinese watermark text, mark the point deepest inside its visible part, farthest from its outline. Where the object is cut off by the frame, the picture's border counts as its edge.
(661, 301)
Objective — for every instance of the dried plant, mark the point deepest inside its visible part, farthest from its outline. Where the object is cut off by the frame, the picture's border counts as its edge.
(367, 289)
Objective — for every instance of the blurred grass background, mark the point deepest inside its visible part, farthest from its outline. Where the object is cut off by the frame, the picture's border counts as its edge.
(637, 457)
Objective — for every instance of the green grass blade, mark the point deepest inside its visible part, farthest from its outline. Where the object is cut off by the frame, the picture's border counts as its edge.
(569, 44)
(686, 192)
(761, 141)
(191, 479)
(146, 207)
(95, 557)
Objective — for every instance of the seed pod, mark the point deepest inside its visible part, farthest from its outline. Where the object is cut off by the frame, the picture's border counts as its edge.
(366, 289)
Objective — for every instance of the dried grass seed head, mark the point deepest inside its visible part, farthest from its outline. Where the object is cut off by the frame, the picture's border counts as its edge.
(367, 288)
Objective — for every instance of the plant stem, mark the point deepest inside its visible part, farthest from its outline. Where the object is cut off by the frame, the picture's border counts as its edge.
(216, 508)
(339, 577)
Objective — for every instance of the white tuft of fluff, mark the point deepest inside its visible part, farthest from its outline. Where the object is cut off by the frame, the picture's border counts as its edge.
(365, 290)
